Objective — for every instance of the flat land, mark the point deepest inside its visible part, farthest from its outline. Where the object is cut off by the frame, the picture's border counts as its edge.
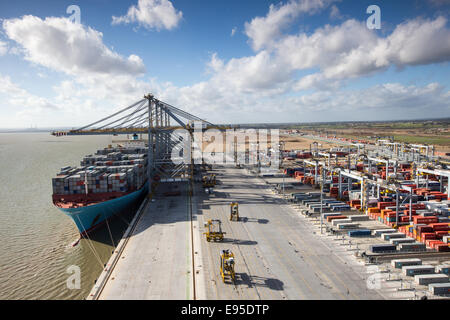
(303, 143)
(435, 132)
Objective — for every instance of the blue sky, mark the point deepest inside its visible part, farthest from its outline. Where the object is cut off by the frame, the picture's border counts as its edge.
(285, 61)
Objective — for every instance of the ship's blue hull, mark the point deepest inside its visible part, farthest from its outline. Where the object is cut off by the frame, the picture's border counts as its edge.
(90, 218)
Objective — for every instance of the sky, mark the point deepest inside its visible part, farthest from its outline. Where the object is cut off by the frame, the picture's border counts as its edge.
(229, 61)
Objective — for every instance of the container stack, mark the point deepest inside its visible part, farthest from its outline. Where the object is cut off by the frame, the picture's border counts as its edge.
(76, 184)
(59, 184)
(117, 182)
(109, 170)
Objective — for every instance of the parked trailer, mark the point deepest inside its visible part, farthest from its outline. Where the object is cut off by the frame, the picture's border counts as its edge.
(331, 214)
(399, 263)
(339, 207)
(415, 270)
(443, 269)
(359, 218)
(309, 204)
(425, 279)
(359, 233)
(316, 209)
(380, 248)
(402, 240)
(417, 247)
(439, 288)
(378, 233)
(347, 225)
(339, 221)
(395, 235)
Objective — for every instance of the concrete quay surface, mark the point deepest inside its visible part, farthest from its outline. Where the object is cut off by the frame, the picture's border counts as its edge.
(156, 262)
(278, 255)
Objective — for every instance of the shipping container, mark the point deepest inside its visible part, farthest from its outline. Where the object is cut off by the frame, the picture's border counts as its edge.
(347, 225)
(425, 279)
(412, 247)
(387, 236)
(379, 248)
(359, 233)
(439, 288)
(444, 268)
(415, 270)
(399, 263)
(359, 218)
(378, 233)
(335, 222)
(404, 240)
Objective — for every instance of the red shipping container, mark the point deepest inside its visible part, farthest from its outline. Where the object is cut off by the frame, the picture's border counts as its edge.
(439, 226)
(429, 243)
(442, 247)
(329, 219)
(382, 205)
(440, 234)
(391, 214)
(427, 236)
(421, 229)
(404, 219)
(426, 220)
(354, 202)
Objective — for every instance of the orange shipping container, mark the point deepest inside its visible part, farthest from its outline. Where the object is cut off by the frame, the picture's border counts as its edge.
(329, 219)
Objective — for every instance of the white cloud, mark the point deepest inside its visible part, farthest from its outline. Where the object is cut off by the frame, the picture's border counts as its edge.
(388, 101)
(419, 42)
(379, 102)
(332, 55)
(263, 31)
(19, 106)
(257, 85)
(268, 85)
(152, 14)
(344, 51)
(72, 48)
(233, 31)
(338, 56)
(3, 48)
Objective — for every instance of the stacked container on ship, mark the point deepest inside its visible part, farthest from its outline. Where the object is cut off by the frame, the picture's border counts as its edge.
(105, 184)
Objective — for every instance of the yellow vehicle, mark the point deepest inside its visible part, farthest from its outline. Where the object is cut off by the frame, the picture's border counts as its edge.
(234, 211)
(386, 192)
(209, 181)
(227, 265)
(214, 232)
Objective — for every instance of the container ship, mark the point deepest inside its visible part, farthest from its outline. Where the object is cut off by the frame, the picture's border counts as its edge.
(106, 184)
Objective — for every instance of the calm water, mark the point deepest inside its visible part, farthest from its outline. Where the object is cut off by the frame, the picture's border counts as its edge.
(35, 237)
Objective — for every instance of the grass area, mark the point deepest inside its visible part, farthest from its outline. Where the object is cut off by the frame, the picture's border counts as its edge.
(405, 125)
(443, 141)
(434, 140)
